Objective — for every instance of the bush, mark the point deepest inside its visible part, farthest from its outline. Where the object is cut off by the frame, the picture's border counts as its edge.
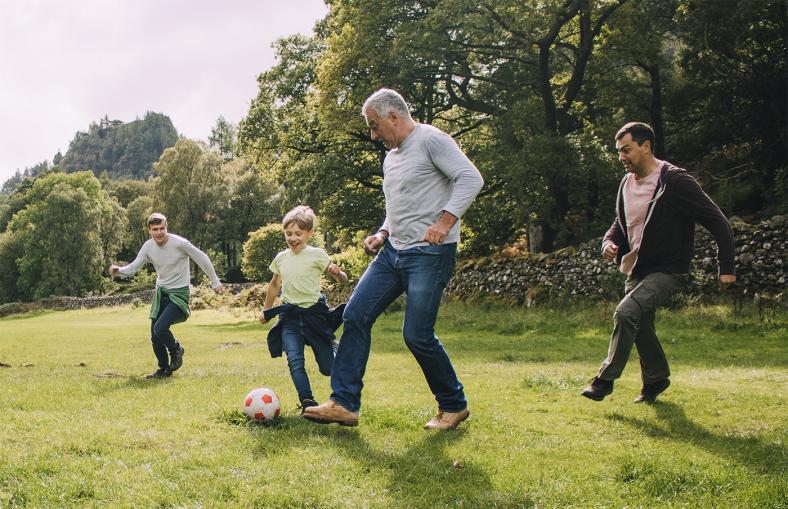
(353, 260)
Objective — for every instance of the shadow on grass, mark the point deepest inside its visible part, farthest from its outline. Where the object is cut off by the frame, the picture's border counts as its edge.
(751, 451)
(114, 382)
(420, 475)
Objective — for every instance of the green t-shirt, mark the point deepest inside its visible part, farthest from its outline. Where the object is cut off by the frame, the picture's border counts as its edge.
(300, 273)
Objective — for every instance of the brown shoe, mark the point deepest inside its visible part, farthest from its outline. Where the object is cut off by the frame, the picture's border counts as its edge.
(331, 411)
(447, 420)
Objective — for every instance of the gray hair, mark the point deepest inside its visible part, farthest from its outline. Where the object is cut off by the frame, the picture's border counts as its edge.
(384, 101)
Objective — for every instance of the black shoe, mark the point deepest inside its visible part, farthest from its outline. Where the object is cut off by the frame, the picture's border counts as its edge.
(649, 392)
(176, 360)
(306, 403)
(160, 373)
(597, 389)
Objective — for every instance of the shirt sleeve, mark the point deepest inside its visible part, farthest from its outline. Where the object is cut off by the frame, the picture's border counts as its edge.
(132, 268)
(693, 201)
(202, 261)
(274, 265)
(448, 158)
(323, 260)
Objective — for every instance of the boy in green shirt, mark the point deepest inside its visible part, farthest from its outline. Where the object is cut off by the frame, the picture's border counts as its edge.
(304, 316)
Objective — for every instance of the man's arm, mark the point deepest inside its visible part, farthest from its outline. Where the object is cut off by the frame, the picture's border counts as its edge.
(692, 201)
(447, 156)
(373, 242)
(132, 268)
(612, 240)
(440, 229)
(202, 261)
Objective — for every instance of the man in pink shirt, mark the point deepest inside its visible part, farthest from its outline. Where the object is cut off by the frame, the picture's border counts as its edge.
(652, 239)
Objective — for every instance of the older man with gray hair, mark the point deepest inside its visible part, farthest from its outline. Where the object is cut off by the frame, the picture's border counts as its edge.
(428, 184)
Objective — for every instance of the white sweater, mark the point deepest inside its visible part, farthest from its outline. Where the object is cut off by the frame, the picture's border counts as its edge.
(171, 262)
(425, 175)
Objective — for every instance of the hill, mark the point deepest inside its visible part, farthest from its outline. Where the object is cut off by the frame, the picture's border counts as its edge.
(121, 150)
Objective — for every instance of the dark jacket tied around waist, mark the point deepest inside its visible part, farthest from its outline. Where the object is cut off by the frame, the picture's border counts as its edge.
(320, 322)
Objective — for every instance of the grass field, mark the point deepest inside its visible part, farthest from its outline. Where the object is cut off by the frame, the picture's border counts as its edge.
(80, 427)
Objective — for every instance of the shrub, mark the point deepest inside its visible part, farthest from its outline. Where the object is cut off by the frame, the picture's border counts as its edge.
(353, 260)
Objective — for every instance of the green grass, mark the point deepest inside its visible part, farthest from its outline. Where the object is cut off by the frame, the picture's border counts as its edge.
(80, 427)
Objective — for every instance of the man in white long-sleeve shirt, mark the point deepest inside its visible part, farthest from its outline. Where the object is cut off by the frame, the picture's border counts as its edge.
(169, 254)
(429, 183)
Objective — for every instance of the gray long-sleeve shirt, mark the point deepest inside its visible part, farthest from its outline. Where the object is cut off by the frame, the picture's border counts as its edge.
(425, 175)
(171, 262)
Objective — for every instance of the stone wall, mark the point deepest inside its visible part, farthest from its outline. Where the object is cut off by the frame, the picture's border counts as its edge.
(581, 271)
(761, 263)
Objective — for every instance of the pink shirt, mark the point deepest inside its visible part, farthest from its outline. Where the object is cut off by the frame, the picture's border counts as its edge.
(637, 195)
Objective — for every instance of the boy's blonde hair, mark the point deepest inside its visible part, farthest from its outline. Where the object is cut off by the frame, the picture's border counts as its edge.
(302, 216)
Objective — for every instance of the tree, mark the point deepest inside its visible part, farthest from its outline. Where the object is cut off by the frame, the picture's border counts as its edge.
(513, 71)
(222, 138)
(68, 233)
(254, 201)
(191, 190)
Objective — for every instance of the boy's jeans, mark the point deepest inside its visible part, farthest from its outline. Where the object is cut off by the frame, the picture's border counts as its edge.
(293, 343)
(160, 334)
(633, 323)
(421, 273)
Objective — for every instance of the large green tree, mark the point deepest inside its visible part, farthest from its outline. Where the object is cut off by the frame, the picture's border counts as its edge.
(68, 233)
(533, 92)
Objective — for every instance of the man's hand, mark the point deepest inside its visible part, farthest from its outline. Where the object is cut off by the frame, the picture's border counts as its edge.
(113, 270)
(726, 280)
(373, 243)
(262, 317)
(610, 251)
(438, 232)
(220, 289)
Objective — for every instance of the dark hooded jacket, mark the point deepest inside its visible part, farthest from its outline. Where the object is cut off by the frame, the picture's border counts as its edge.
(669, 232)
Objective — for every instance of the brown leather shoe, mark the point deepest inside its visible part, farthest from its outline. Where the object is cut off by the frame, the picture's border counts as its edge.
(447, 420)
(331, 411)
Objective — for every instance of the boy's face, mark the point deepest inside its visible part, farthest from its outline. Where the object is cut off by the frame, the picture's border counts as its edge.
(296, 237)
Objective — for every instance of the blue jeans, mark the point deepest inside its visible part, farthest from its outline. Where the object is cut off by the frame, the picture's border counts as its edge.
(293, 342)
(421, 273)
(160, 335)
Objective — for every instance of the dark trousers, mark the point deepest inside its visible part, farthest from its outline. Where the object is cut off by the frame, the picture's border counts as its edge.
(633, 323)
(164, 343)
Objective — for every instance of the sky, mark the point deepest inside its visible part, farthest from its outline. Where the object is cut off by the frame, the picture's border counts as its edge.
(67, 63)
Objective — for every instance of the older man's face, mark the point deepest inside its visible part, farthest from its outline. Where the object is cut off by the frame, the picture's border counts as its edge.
(383, 129)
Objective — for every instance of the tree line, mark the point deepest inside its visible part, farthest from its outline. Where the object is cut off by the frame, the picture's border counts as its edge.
(533, 92)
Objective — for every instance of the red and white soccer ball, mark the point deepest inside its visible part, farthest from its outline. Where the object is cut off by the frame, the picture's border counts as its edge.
(261, 404)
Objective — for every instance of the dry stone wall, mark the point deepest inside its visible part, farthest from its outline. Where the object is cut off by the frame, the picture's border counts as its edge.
(761, 263)
(581, 271)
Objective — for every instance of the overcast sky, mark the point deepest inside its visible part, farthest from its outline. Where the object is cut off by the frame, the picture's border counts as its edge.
(67, 63)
